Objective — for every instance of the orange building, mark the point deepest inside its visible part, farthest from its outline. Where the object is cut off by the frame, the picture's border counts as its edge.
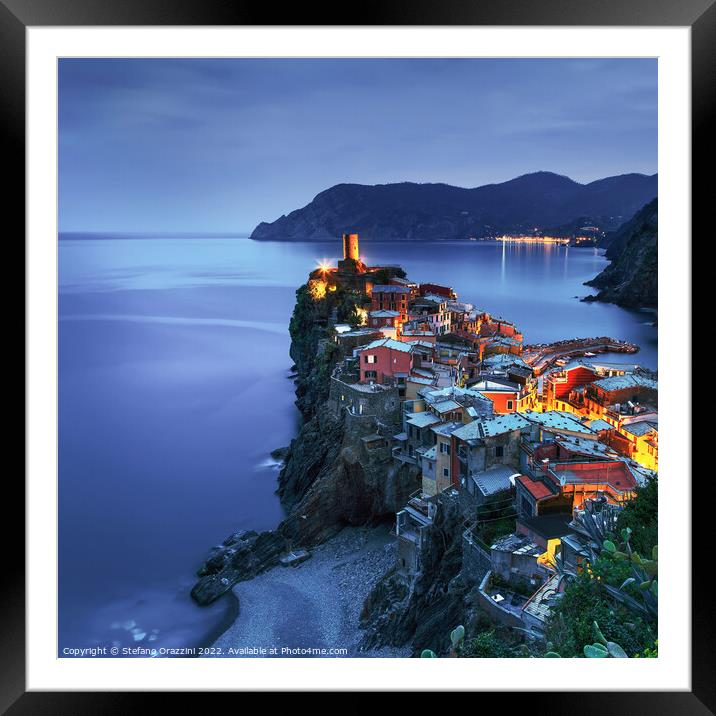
(566, 485)
(507, 396)
(558, 384)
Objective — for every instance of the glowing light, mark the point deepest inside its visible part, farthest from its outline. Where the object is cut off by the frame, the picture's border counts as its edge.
(317, 289)
(533, 240)
(324, 265)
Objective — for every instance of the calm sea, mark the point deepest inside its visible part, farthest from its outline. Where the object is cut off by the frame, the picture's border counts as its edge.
(174, 388)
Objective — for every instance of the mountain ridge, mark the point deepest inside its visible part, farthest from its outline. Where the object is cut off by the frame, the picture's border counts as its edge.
(435, 210)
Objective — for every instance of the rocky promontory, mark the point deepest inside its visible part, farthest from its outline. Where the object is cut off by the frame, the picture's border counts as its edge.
(631, 279)
(327, 481)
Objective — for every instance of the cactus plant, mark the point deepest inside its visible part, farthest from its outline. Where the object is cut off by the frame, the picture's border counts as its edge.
(457, 636)
(600, 649)
(596, 651)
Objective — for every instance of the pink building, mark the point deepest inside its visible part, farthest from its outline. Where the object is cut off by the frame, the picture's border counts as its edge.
(385, 358)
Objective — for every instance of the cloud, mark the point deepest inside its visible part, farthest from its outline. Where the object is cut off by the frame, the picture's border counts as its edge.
(221, 144)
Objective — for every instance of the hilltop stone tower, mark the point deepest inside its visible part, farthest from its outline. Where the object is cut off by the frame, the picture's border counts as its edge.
(351, 271)
(350, 247)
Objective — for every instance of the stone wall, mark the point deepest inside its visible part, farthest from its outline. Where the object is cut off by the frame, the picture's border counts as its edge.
(382, 403)
(496, 612)
(475, 559)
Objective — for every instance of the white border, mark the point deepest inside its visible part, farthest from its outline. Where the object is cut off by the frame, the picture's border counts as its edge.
(670, 671)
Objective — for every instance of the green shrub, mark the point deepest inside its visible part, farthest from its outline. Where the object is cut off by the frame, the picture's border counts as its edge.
(486, 645)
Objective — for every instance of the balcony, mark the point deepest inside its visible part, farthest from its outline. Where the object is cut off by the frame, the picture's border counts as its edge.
(403, 456)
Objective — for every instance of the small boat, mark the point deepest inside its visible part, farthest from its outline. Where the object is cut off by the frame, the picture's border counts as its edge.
(590, 355)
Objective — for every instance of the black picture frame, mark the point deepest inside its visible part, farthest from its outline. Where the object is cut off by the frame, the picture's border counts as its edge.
(17, 15)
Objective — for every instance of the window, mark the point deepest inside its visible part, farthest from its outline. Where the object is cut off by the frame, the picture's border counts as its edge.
(510, 404)
(446, 472)
(370, 359)
(499, 451)
(371, 374)
(445, 448)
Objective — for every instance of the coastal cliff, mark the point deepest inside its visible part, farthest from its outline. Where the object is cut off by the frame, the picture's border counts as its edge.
(631, 279)
(421, 612)
(328, 480)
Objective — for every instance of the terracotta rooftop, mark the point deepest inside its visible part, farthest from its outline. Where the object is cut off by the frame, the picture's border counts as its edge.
(614, 473)
(538, 490)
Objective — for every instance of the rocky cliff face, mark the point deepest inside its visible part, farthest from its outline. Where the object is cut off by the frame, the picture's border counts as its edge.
(427, 212)
(420, 611)
(631, 279)
(328, 481)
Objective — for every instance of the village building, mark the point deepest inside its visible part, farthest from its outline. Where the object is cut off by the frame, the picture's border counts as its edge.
(384, 359)
(546, 531)
(481, 444)
(494, 485)
(551, 422)
(559, 384)
(429, 420)
(388, 322)
(502, 362)
(514, 561)
(501, 345)
(416, 381)
(450, 348)
(618, 397)
(493, 326)
(643, 442)
(412, 530)
(398, 281)
(474, 403)
(429, 314)
(410, 334)
(349, 340)
(445, 292)
(564, 486)
(390, 297)
(437, 477)
(506, 395)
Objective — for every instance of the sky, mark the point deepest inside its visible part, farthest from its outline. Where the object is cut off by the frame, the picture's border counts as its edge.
(218, 145)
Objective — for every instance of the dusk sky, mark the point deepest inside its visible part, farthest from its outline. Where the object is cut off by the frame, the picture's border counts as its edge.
(220, 145)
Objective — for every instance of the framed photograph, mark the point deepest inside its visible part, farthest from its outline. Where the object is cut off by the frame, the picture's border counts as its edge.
(350, 343)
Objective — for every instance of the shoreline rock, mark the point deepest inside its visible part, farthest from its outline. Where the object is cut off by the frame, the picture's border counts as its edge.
(315, 604)
(280, 453)
(241, 556)
(631, 278)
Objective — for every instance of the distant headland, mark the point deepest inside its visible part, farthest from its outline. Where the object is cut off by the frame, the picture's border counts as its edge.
(541, 203)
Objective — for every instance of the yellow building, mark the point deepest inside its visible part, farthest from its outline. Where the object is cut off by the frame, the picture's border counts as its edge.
(644, 438)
